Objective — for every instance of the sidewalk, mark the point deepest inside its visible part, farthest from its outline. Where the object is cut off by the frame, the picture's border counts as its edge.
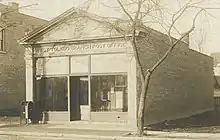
(45, 131)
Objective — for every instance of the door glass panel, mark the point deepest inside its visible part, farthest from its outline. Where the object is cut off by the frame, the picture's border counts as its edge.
(78, 96)
(83, 87)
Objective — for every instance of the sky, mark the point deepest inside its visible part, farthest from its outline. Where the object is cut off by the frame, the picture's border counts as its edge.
(48, 9)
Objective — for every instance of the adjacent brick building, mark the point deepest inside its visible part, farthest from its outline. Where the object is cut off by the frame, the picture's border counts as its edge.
(182, 85)
(82, 71)
(13, 26)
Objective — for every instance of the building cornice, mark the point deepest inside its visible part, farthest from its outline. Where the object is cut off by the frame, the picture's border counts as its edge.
(81, 40)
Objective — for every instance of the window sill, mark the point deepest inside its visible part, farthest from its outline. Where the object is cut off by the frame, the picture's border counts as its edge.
(2, 52)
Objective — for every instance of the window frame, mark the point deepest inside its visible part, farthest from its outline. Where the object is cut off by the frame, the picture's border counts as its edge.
(2, 40)
(125, 94)
(50, 101)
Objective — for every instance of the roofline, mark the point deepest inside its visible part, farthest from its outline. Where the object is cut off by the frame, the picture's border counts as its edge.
(206, 55)
(62, 17)
(47, 25)
(75, 40)
(58, 19)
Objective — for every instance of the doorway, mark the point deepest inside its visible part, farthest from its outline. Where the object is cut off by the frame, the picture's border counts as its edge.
(78, 97)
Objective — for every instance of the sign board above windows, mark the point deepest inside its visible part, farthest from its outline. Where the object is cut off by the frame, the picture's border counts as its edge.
(87, 48)
(99, 63)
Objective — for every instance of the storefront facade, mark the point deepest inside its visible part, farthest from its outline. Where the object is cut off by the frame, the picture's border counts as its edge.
(93, 81)
(79, 69)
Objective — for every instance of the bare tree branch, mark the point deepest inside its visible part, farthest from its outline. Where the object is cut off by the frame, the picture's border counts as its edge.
(125, 11)
(174, 44)
(170, 50)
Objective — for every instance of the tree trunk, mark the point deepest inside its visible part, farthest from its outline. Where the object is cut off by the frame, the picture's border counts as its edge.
(142, 104)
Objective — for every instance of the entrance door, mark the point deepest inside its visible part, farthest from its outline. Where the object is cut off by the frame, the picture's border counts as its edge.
(79, 98)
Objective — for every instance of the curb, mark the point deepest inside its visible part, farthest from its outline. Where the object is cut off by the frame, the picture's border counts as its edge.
(184, 135)
(63, 135)
(152, 135)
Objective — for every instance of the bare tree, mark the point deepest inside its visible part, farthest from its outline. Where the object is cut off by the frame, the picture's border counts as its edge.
(146, 13)
(202, 34)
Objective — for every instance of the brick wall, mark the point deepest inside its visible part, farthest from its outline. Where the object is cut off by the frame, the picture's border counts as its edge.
(12, 68)
(179, 87)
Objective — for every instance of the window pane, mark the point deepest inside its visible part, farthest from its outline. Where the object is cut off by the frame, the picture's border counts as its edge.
(55, 95)
(109, 93)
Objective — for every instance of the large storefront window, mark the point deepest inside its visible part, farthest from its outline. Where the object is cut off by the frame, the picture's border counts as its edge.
(55, 95)
(109, 93)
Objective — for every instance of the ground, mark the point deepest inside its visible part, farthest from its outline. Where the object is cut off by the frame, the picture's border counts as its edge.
(208, 122)
(201, 126)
